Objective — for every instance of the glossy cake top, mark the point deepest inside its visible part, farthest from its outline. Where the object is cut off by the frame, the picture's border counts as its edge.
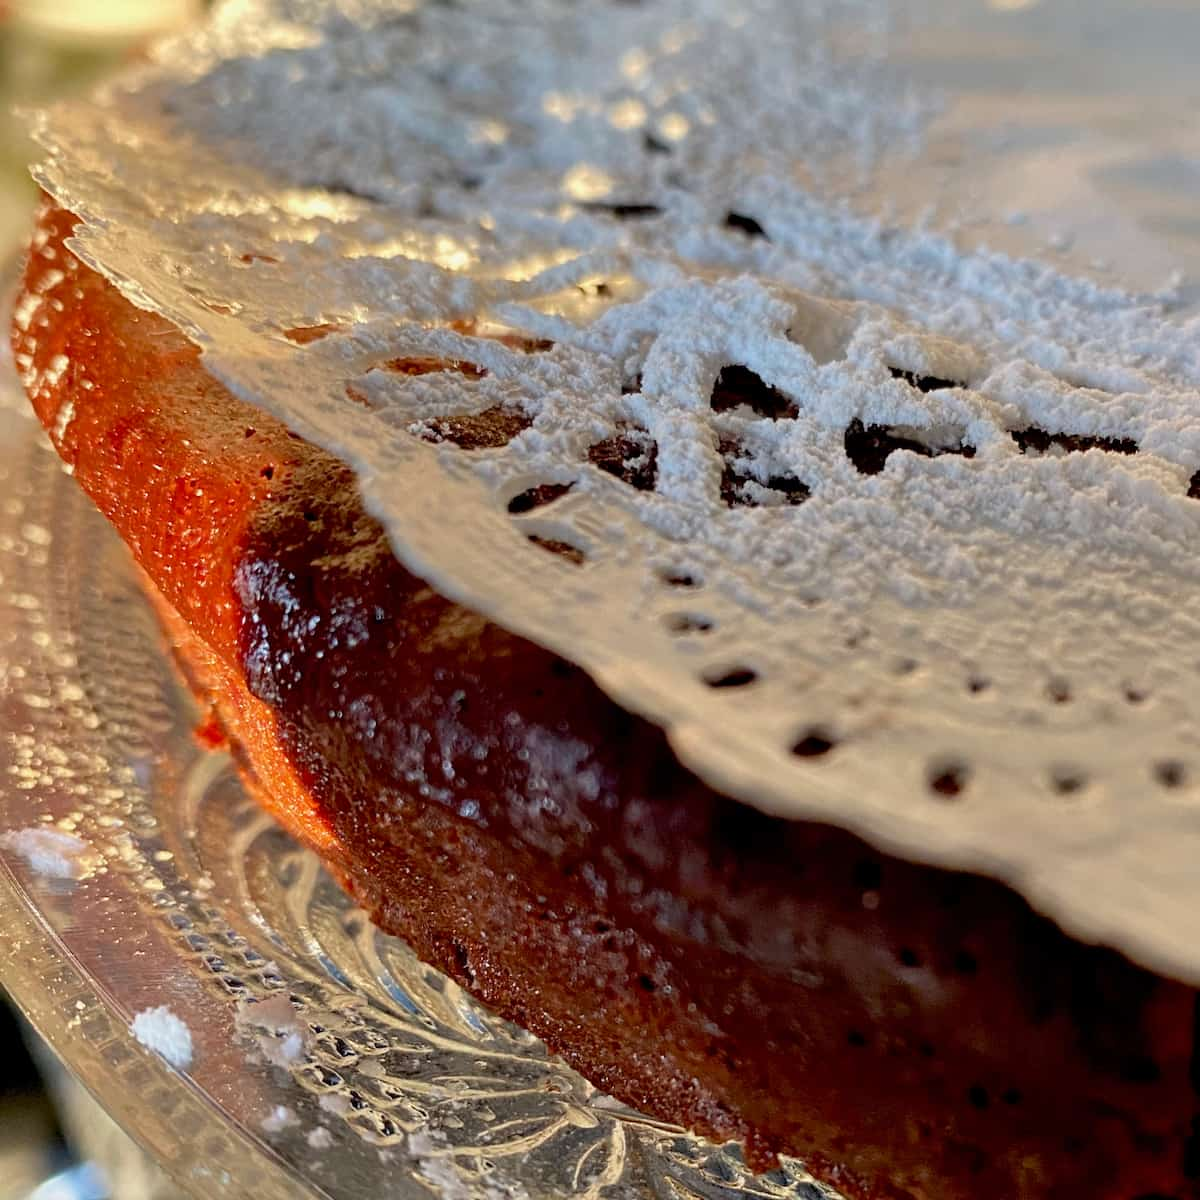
(885, 532)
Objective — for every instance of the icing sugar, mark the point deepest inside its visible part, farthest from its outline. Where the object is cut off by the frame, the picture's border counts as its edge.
(276, 1028)
(51, 852)
(160, 1030)
(884, 532)
(278, 1119)
(319, 1138)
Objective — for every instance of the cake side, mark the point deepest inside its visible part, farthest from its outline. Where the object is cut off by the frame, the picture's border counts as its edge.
(907, 1031)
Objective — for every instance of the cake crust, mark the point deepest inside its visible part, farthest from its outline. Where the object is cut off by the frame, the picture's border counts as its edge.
(908, 1031)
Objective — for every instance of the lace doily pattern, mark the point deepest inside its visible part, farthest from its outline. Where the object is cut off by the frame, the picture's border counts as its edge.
(882, 533)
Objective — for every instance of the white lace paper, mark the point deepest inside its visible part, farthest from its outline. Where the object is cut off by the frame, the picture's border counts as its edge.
(986, 661)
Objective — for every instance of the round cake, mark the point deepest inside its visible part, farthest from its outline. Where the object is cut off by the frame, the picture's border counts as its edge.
(704, 665)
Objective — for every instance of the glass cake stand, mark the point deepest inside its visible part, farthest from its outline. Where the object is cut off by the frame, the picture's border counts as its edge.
(135, 875)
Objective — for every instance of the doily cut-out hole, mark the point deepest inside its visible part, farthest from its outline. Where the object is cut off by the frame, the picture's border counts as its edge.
(1170, 774)
(1040, 441)
(572, 554)
(816, 742)
(489, 430)
(677, 578)
(430, 366)
(738, 471)
(1068, 781)
(737, 386)
(630, 455)
(304, 335)
(686, 623)
(923, 383)
(538, 497)
(731, 677)
(949, 780)
(736, 220)
(870, 446)
(626, 212)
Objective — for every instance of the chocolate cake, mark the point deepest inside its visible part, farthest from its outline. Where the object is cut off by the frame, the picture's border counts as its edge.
(910, 1032)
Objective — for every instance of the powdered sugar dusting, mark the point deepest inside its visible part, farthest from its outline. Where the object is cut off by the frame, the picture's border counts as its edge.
(319, 1138)
(882, 532)
(51, 852)
(278, 1119)
(160, 1030)
(276, 1028)
(435, 1165)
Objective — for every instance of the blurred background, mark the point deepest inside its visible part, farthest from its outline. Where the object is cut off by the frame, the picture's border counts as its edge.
(55, 1143)
(51, 47)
